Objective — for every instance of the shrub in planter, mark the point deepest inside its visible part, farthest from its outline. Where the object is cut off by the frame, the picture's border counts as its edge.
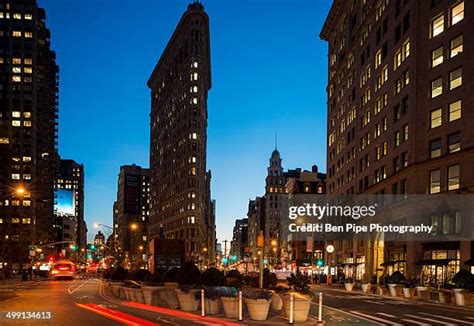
(366, 283)
(464, 284)
(170, 275)
(212, 280)
(349, 284)
(258, 303)
(269, 279)
(119, 274)
(233, 278)
(409, 288)
(188, 276)
(301, 298)
(394, 282)
(152, 284)
(139, 275)
(107, 273)
(230, 301)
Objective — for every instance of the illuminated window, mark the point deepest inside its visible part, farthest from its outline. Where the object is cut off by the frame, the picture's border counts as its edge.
(27, 123)
(193, 135)
(378, 58)
(16, 70)
(398, 59)
(406, 49)
(16, 114)
(437, 57)
(28, 61)
(457, 13)
(26, 158)
(453, 177)
(4, 140)
(26, 220)
(456, 46)
(16, 61)
(16, 34)
(16, 79)
(435, 181)
(16, 176)
(435, 118)
(28, 16)
(27, 203)
(195, 100)
(16, 15)
(195, 64)
(28, 70)
(16, 123)
(437, 26)
(15, 220)
(28, 34)
(455, 110)
(455, 78)
(436, 87)
(27, 114)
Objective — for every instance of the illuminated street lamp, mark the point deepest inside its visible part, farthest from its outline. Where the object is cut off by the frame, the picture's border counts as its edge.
(20, 190)
(133, 226)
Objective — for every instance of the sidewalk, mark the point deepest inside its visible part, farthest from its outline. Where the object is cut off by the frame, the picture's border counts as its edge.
(340, 288)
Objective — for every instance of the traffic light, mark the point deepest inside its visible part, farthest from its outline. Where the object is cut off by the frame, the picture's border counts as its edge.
(73, 247)
(90, 246)
(234, 258)
(225, 260)
(319, 262)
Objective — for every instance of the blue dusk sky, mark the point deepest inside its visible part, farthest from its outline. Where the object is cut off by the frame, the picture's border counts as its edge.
(269, 72)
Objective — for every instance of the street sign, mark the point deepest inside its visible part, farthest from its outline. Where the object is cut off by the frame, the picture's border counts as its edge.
(247, 259)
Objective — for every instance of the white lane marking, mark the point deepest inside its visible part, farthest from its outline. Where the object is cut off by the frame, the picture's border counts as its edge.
(344, 312)
(77, 288)
(472, 318)
(431, 320)
(375, 302)
(415, 322)
(447, 318)
(381, 320)
(386, 315)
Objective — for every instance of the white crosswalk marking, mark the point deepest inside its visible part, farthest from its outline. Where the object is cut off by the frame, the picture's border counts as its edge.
(414, 322)
(376, 302)
(380, 320)
(431, 320)
(386, 315)
(447, 318)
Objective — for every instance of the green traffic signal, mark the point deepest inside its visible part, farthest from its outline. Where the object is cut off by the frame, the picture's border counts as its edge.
(320, 263)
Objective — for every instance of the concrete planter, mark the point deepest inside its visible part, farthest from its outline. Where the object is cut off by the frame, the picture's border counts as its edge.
(187, 301)
(126, 294)
(349, 286)
(462, 297)
(408, 293)
(212, 307)
(423, 293)
(231, 307)
(366, 287)
(444, 296)
(171, 285)
(276, 302)
(168, 298)
(302, 305)
(395, 290)
(116, 288)
(136, 295)
(150, 294)
(258, 308)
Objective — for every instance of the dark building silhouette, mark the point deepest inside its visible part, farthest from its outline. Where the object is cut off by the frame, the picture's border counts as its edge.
(131, 213)
(399, 116)
(239, 239)
(28, 130)
(180, 183)
(69, 207)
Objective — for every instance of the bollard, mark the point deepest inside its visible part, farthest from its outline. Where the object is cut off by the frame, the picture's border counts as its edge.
(292, 308)
(203, 303)
(240, 306)
(320, 312)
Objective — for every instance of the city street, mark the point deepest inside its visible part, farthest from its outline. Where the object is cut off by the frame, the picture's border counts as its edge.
(75, 302)
(391, 311)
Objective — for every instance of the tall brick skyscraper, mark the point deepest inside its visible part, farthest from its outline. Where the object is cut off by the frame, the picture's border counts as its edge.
(28, 130)
(400, 94)
(179, 184)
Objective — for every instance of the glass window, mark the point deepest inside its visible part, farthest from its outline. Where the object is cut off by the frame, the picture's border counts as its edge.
(454, 142)
(16, 114)
(437, 57)
(437, 26)
(455, 110)
(436, 87)
(455, 78)
(16, 123)
(435, 118)
(28, 16)
(16, 33)
(453, 177)
(435, 148)
(457, 13)
(456, 46)
(435, 181)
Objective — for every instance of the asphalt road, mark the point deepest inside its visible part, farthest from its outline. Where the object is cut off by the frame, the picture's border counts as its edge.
(389, 311)
(74, 302)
